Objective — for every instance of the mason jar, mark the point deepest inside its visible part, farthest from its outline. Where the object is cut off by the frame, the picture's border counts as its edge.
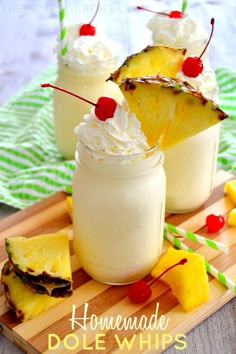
(190, 168)
(69, 110)
(118, 213)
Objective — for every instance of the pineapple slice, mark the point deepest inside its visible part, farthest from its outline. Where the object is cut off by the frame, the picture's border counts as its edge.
(189, 283)
(25, 303)
(150, 61)
(230, 190)
(232, 217)
(169, 110)
(69, 205)
(42, 262)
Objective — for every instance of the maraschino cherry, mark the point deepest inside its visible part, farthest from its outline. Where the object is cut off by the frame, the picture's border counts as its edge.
(193, 66)
(214, 222)
(172, 14)
(87, 29)
(104, 108)
(140, 291)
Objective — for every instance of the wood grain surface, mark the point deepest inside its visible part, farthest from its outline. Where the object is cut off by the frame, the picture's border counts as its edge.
(51, 215)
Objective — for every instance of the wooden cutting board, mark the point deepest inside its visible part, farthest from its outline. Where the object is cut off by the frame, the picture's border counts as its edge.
(104, 301)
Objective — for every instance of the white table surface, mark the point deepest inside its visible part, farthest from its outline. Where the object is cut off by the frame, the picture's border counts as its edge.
(28, 35)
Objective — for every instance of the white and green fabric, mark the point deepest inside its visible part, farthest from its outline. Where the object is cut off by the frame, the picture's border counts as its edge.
(32, 168)
(227, 149)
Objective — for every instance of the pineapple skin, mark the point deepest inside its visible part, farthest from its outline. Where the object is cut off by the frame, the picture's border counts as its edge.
(25, 303)
(188, 282)
(45, 284)
(169, 110)
(150, 61)
(42, 262)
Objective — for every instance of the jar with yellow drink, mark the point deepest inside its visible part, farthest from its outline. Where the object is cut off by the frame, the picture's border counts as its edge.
(118, 199)
(83, 69)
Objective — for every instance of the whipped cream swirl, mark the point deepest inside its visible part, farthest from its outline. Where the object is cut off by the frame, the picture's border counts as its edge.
(93, 54)
(119, 135)
(178, 33)
(205, 82)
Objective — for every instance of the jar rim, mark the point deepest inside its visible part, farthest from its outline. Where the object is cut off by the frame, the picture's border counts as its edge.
(120, 157)
(132, 164)
(82, 70)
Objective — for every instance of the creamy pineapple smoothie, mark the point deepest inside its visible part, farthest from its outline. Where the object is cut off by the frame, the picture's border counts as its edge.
(83, 70)
(190, 166)
(118, 198)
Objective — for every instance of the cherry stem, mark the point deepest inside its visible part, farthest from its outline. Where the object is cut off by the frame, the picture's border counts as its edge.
(181, 262)
(155, 12)
(69, 92)
(95, 13)
(212, 30)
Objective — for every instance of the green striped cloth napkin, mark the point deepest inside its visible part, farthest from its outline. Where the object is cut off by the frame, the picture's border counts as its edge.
(227, 149)
(32, 168)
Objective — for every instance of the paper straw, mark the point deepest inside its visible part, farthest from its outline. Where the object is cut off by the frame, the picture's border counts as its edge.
(197, 238)
(228, 283)
(62, 27)
(68, 189)
(184, 5)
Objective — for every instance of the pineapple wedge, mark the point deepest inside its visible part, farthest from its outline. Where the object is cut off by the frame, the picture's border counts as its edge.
(230, 190)
(189, 283)
(25, 303)
(169, 110)
(232, 217)
(42, 262)
(150, 61)
(70, 206)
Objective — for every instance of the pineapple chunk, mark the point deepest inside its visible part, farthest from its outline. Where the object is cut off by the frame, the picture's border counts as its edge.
(232, 217)
(150, 61)
(230, 190)
(69, 204)
(169, 110)
(25, 303)
(189, 283)
(42, 262)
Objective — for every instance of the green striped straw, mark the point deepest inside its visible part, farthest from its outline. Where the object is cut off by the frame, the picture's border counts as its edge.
(197, 238)
(228, 283)
(62, 27)
(68, 189)
(184, 6)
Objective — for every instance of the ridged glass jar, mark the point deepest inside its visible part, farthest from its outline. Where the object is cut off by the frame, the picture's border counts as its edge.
(190, 168)
(118, 213)
(69, 110)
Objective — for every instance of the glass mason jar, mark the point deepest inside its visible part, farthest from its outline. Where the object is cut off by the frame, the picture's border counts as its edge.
(118, 213)
(190, 168)
(69, 110)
